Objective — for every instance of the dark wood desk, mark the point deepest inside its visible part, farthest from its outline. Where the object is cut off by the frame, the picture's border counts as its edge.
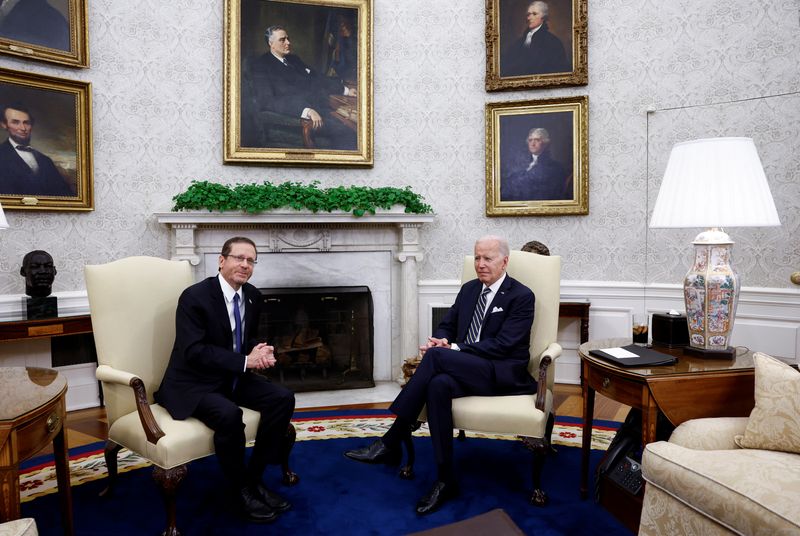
(44, 328)
(32, 414)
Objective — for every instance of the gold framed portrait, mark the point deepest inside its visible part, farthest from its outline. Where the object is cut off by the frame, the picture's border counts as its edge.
(54, 31)
(534, 44)
(46, 156)
(298, 82)
(537, 157)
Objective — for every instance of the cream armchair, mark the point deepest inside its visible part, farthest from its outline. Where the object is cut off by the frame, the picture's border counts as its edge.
(528, 416)
(132, 303)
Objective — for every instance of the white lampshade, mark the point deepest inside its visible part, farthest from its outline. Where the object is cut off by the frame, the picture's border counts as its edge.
(714, 182)
(3, 221)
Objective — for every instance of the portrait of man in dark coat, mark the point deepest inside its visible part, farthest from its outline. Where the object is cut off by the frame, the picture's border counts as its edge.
(537, 50)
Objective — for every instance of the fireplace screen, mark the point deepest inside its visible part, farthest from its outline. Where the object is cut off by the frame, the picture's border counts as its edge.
(323, 337)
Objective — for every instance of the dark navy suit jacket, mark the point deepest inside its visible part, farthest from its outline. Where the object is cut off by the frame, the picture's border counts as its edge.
(203, 360)
(505, 334)
(17, 178)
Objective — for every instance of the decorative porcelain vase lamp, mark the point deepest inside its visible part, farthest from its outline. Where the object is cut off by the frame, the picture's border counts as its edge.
(713, 183)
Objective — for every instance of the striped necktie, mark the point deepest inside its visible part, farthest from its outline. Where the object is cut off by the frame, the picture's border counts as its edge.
(477, 318)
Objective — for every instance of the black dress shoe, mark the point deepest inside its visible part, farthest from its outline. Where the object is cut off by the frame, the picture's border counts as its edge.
(436, 497)
(271, 499)
(254, 509)
(377, 452)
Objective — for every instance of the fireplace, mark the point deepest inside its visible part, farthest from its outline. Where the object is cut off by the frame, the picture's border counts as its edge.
(323, 337)
(296, 249)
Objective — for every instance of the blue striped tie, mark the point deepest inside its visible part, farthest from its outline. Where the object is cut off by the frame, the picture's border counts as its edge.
(477, 318)
(237, 319)
(237, 332)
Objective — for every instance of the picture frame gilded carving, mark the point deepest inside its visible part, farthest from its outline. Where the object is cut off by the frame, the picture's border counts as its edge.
(314, 109)
(54, 31)
(537, 157)
(536, 44)
(46, 153)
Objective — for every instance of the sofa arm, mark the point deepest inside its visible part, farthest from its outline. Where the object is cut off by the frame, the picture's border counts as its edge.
(151, 428)
(709, 434)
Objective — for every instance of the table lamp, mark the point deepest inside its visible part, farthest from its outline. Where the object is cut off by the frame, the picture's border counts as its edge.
(713, 183)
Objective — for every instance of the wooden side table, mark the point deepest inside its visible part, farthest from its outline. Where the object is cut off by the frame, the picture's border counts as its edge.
(32, 415)
(689, 389)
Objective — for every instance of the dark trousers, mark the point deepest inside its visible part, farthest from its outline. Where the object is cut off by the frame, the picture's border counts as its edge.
(441, 376)
(221, 412)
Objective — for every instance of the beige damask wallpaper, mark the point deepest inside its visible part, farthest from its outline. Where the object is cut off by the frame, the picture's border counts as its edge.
(708, 66)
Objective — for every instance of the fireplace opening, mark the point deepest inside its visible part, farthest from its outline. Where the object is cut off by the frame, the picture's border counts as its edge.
(323, 337)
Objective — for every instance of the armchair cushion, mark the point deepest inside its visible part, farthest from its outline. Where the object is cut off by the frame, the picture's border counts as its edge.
(774, 423)
(183, 441)
(513, 414)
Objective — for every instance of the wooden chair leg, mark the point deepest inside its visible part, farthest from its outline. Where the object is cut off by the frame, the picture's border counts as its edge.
(540, 448)
(110, 454)
(290, 478)
(168, 481)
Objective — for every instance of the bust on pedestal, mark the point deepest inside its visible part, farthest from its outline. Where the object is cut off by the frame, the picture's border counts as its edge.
(39, 272)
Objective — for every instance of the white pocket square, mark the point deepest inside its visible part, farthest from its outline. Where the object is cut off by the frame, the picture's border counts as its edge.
(497, 309)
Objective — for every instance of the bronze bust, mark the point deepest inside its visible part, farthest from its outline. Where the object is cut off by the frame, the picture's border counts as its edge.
(39, 272)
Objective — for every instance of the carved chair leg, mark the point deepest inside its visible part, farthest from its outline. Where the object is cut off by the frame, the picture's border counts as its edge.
(540, 448)
(407, 471)
(290, 478)
(110, 454)
(168, 481)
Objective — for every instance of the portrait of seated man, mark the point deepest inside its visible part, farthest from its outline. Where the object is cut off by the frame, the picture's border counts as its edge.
(35, 22)
(536, 51)
(283, 83)
(536, 176)
(24, 170)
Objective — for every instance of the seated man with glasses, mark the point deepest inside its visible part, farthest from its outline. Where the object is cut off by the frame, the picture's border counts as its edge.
(210, 374)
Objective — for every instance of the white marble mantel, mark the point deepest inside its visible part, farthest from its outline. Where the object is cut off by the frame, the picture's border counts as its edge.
(350, 249)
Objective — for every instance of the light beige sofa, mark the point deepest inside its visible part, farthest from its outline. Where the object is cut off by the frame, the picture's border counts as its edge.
(700, 482)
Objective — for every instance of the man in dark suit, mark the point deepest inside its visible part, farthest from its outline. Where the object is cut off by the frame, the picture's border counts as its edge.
(284, 84)
(481, 347)
(210, 374)
(537, 51)
(35, 22)
(537, 177)
(23, 169)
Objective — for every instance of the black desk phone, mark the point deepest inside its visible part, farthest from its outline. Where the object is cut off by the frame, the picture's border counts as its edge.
(627, 473)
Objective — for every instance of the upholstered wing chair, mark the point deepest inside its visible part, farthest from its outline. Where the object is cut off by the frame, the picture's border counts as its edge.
(133, 303)
(528, 416)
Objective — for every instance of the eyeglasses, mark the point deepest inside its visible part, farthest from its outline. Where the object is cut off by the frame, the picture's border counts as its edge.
(241, 259)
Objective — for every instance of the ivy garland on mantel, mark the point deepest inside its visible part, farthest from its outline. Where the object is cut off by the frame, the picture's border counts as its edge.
(254, 198)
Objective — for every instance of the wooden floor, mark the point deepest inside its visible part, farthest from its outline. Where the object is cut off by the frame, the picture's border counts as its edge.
(90, 425)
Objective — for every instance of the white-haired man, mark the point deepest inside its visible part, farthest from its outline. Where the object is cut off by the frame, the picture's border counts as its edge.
(481, 347)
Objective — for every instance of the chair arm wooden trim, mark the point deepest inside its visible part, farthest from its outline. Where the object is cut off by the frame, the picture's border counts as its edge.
(541, 393)
(108, 374)
(152, 430)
